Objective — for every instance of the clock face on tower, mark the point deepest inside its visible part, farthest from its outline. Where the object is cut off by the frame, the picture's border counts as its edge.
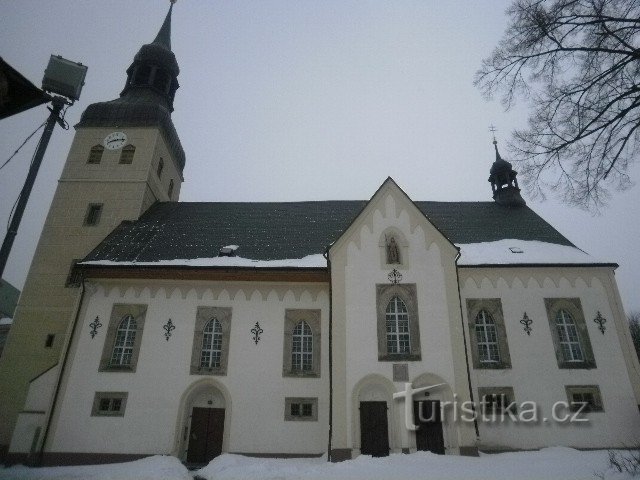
(114, 141)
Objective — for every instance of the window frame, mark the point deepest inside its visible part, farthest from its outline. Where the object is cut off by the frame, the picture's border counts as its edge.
(593, 390)
(407, 292)
(292, 318)
(301, 402)
(96, 411)
(204, 315)
(302, 355)
(93, 158)
(573, 307)
(92, 219)
(487, 325)
(126, 149)
(492, 306)
(118, 313)
(503, 392)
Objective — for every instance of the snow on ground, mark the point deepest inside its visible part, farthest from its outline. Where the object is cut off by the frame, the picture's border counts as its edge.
(549, 463)
(158, 467)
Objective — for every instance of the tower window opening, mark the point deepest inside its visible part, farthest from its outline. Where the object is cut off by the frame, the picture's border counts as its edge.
(94, 211)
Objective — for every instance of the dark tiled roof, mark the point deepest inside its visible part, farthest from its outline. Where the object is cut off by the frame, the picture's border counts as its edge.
(271, 231)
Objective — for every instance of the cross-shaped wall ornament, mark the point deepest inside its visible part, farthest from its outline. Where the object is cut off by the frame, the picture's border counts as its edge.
(600, 320)
(395, 276)
(256, 332)
(95, 325)
(526, 321)
(168, 327)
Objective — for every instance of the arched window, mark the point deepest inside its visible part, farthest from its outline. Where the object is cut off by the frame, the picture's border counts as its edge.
(397, 323)
(170, 191)
(302, 348)
(487, 338)
(568, 337)
(126, 155)
(125, 340)
(211, 352)
(95, 154)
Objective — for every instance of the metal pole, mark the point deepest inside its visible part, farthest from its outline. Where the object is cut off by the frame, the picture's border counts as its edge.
(57, 104)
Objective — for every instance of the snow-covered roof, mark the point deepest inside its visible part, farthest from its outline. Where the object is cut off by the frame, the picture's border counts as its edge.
(310, 261)
(6, 321)
(523, 252)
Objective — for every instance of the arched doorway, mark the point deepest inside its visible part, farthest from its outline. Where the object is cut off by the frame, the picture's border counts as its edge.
(434, 433)
(205, 410)
(373, 426)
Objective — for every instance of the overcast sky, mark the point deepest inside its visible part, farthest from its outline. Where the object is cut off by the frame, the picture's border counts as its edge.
(297, 100)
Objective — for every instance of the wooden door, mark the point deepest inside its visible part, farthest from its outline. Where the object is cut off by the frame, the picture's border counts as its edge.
(207, 430)
(374, 429)
(429, 436)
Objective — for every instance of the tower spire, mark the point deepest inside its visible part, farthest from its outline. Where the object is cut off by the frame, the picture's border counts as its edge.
(504, 183)
(164, 34)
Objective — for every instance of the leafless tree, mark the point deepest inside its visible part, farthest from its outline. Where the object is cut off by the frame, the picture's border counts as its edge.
(577, 62)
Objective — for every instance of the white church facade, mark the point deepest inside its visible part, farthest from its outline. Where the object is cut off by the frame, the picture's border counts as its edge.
(295, 329)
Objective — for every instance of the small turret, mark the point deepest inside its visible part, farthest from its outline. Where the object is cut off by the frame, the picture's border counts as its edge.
(504, 183)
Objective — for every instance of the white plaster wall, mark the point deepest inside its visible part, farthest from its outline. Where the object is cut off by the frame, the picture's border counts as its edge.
(424, 263)
(535, 375)
(254, 378)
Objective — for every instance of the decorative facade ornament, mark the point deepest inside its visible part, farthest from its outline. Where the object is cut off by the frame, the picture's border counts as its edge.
(600, 320)
(168, 327)
(526, 321)
(256, 332)
(393, 251)
(395, 276)
(95, 325)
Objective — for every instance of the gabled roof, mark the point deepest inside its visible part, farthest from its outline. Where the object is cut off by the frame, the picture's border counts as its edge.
(269, 231)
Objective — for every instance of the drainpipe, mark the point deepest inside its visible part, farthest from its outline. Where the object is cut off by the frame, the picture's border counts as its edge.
(326, 256)
(466, 352)
(60, 375)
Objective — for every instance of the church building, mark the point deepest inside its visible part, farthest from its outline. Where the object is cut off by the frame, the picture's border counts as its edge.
(389, 325)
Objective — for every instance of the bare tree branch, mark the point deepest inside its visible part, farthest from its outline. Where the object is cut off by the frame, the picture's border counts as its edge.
(578, 63)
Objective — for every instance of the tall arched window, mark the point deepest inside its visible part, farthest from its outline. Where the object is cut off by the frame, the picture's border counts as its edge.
(170, 191)
(397, 319)
(95, 154)
(160, 167)
(125, 340)
(211, 352)
(487, 338)
(568, 337)
(302, 348)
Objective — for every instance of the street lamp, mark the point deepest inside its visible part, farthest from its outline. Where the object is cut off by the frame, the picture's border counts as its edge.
(63, 79)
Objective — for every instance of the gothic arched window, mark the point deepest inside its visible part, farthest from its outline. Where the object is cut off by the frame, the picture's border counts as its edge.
(125, 341)
(160, 167)
(302, 348)
(397, 325)
(568, 337)
(487, 338)
(170, 191)
(211, 352)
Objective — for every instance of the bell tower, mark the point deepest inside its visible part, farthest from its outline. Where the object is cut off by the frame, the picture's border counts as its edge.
(504, 183)
(125, 156)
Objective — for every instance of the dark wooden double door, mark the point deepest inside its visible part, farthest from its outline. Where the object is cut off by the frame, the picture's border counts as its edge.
(374, 428)
(427, 417)
(206, 434)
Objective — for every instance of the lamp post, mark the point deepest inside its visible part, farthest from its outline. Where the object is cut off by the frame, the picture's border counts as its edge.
(65, 78)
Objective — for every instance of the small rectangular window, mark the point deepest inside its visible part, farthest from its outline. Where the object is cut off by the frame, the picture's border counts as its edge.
(301, 409)
(74, 277)
(585, 397)
(496, 400)
(94, 211)
(109, 404)
(49, 341)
